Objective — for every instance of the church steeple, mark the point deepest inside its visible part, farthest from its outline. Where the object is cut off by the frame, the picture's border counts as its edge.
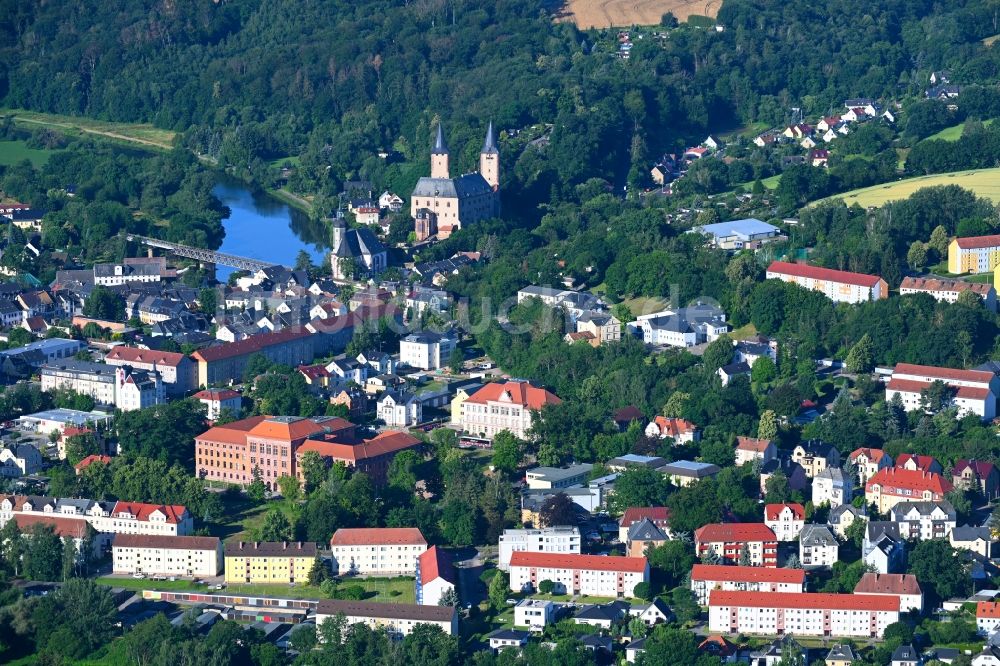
(489, 159)
(439, 146)
(490, 144)
(439, 156)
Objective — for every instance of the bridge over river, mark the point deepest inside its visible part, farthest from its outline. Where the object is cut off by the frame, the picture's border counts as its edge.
(200, 254)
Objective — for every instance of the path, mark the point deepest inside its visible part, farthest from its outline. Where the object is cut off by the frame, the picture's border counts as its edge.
(86, 130)
(471, 589)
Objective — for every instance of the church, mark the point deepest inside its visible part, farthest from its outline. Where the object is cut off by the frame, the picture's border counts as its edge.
(356, 253)
(441, 205)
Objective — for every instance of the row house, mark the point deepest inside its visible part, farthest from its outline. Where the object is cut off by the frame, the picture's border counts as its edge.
(903, 587)
(785, 520)
(894, 485)
(595, 575)
(708, 577)
(376, 551)
(868, 462)
(973, 391)
(269, 562)
(162, 555)
(838, 286)
(504, 406)
(947, 291)
(398, 620)
(730, 542)
(924, 520)
(558, 539)
(749, 449)
(801, 614)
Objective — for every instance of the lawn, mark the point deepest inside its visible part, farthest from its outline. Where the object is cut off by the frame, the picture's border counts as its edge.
(984, 182)
(954, 133)
(645, 305)
(146, 584)
(12, 152)
(398, 590)
(136, 133)
(241, 516)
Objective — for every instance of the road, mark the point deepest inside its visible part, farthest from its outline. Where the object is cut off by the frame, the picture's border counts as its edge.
(471, 589)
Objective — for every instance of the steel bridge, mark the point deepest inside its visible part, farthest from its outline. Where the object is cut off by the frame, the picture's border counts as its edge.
(206, 256)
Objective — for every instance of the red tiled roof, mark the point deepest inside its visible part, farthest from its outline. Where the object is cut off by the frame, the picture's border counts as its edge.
(521, 393)
(86, 462)
(583, 562)
(64, 526)
(314, 371)
(752, 444)
(376, 536)
(165, 541)
(980, 468)
(809, 600)
(251, 345)
(673, 427)
(733, 532)
(231, 433)
(217, 394)
(288, 430)
(73, 431)
(385, 443)
(921, 462)
(943, 374)
(989, 609)
(978, 242)
(887, 583)
(136, 355)
(630, 413)
(737, 574)
(717, 645)
(940, 284)
(873, 455)
(828, 274)
(773, 511)
(633, 514)
(912, 479)
(435, 563)
(911, 386)
(174, 512)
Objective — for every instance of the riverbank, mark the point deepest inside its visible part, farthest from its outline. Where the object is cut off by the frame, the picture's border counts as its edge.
(293, 200)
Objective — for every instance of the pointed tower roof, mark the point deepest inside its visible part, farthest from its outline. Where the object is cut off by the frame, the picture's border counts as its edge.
(439, 146)
(490, 144)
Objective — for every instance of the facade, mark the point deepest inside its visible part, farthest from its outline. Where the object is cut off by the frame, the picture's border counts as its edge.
(818, 547)
(504, 406)
(894, 485)
(535, 614)
(269, 562)
(973, 254)
(426, 350)
(838, 286)
(684, 327)
(166, 555)
(904, 587)
(217, 401)
(123, 387)
(377, 551)
(708, 577)
(832, 487)
(356, 253)
(844, 516)
(435, 577)
(749, 449)
(602, 327)
(868, 462)
(596, 575)
(561, 539)
(947, 291)
(732, 542)
(176, 370)
(974, 391)
(979, 540)
(643, 536)
(801, 614)
(225, 363)
(398, 620)
(133, 269)
(987, 617)
(814, 456)
(441, 205)
(978, 475)
(658, 515)
(785, 520)
(399, 409)
(554, 478)
(924, 520)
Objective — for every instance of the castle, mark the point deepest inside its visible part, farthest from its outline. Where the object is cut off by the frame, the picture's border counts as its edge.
(441, 205)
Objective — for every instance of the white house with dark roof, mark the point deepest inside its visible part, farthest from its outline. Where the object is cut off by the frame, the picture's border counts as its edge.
(356, 252)
(818, 547)
(924, 520)
(831, 486)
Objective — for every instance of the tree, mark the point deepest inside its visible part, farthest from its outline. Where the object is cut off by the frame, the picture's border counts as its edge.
(675, 405)
(289, 487)
(639, 486)
(643, 591)
(558, 509)
(76, 619)
(449, 598)
(855, 532)
(43, 553)
(257, 491)
(275, 526)
(763, 371)
(313, 470)
(937, 564)
(767, 428)
(104, 304)
(718, 353)
(939, 241)
(861, 357)
(776, 488)
(402, 471)
(208, 301)
(672, 560)
(12, 546)
(507, 450)
(456, 360)
(498, 591)
(546, 586)
(916, 256)
(745, 556)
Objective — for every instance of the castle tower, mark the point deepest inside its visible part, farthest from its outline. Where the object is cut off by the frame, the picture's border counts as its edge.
(489, 159)
(439, 156)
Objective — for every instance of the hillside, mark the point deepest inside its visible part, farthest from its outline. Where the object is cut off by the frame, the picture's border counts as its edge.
(983, 182)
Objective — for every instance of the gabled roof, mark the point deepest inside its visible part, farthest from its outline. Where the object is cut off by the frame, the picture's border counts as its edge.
(86, 462)
(817, 535)
(874, 455)
(434, 563)
(941, 285)
(890, 478)
(251, 345)
(520, 393)
(980, 468)
(633, 514)
(752, 444)
(174, 513)
(270, 548)
(670, 426)
(645, 530)
(944, 374)
(733, 532)
(828, 274)
(924, 463)
(75, 528)
(165, 541)
(978, 242)
(378, 536)
(773, 511)
(807, 600)
(572, 561)
(742, 574)
(990, 609)
(887, 583)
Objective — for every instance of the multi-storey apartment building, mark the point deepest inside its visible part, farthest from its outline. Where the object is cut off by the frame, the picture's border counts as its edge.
(974, 391)
(868, 462)
(924, 520)
(426, 350)
(785, 520)
(947, 291)
(838, 286)
(602, 576)
(893, 485)
(708, 577)
(226, 362)
(504, 406)
(166, 555)
(377, 551)
(730, 542)
(561, 539)
(268, 562)
(124, 387)
(176, 370)
(904, 587)
(801, 614)
(398, 620)
(973, 254)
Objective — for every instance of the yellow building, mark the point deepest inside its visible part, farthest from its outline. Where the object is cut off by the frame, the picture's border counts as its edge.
(974, 254)
(461, 395)
(263, 562)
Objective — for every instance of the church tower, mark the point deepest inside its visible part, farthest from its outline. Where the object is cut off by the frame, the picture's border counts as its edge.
(489, 159)
(336, 242)
(439, 157)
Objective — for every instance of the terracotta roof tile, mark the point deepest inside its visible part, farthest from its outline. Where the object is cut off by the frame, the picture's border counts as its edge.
(435, 563)
(583, 562)
(251, 345)
(521, 393)
(912, 479)
(136, 355)
(944, 374)
(978, 242)
(828, 274)
(376, 536)
(752, 444)
(733, 532)
(773, 511)
(737, 574)
(876, 583)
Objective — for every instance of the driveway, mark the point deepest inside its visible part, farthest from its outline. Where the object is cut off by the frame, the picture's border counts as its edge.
(469, 566)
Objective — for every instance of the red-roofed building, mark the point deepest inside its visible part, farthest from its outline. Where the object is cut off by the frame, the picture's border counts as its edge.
(218, 400)
(904, 587)
(504, 406)
(974, 254)
(669, 427)
(89, 460)
(947, 291)
(987, 617)
(729, 542)
(708, 577)
(976, 475)
(801, 614)
(377, 551)
(868, 462)
(785, 520)
(435, 576)
(596, 575)
(176, 370)
(918, 463)
(893, 485)
(718, 646)
(658, 515)
(371, 456)
(973, 391)
(749, 449)
(838, 286)
(225, 363)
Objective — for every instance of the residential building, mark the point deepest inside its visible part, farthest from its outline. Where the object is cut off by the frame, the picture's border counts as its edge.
(801, 614)
(796, 475)
(708, 577)
(924, 520)
(399, 620)
(399, 409)
(225, 363)
(818, 547)
(603, 616)
(785, 520)
(730, 371)
(841, 655)
(125, 388)
(164, 555)
(679, 430)
(948, 290)
(501, 639)
(20, 460)
(893, 485)
(685, 472)
(176, 370)
(904, 587)
(883, 548)
(684, 327)
(426, 350)
(658, 515)
(552, 478)
(737, 234)
(435, 577)
(133, 269)
(602, 576)
(978, 475)
(90, 460)
(843, 516)
(832, 487)
(749, 449)
(838, 286)
(868, 462)
(905, 655)
(815, 456)
(269, 562)
(376, 551)
(737, 543)
(973, 254)
(914, 462)
(534, 613)
(987, 617)
(371, 456)
(974, 391)
(642, 536)
(503, 406)
(602, 327)
(559, 539)
(574, 303)
(652, 613)
(217, 401)
(990, 656)
(979, 540)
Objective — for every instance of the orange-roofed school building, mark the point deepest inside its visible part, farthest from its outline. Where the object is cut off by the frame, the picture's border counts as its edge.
(893, 485)
(785, 520)
(435, 576)
(801, 614)
(596, 575)
(838, 286)
(371, 456)
(377, 551)
(503, 406)
(708, 577)
(974, 254)
(974, 391)
(728, 541)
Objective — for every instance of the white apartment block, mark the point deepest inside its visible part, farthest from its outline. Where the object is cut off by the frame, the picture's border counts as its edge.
(785, 520)
(838, 286)
(123, 387)
(426, 350)
(561, 539)
(924, 520)
(378, 551)
(818, 547)
(596, 575)
(176, 370)
(708, 577)
(947, 291)
(399, 620)
(801, 614)
(975, 390)
(832, 487)
(166, 555)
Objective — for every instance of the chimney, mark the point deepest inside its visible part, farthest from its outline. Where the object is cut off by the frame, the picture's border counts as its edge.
(284, 545)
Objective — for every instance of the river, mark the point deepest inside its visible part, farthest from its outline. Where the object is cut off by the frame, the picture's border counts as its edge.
(262, 227)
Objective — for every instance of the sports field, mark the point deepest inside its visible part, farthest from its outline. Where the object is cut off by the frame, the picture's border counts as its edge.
(984, 182)
(135, 133)
(624, 13)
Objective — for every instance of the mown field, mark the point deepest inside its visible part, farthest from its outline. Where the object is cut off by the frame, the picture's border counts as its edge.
(624, 13)
(954, 133)
(142, 134)
(12, 152)
(984, 182)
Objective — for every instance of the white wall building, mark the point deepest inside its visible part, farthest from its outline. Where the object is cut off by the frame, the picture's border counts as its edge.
(904, 587)
(399, 409)
(561, 539)
(426, 350)
(838, 286)
(536, 614)
(831, 486)
(947, 291)
(818, 547)
(785, 520)
(504, 406)
(166, 555)
(801, 614)
(217, 401)
(378, 551)
(398, 620)
(123, 387)
(924, 520)
(708, 577)
(684, 327)
(975, 391)
(596, 575)
(435, 576)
